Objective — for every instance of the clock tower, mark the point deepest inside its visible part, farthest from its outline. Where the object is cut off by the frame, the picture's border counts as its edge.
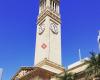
(47, 61)
(48, 36)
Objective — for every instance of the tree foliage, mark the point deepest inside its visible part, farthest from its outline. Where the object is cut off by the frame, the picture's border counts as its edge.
(93, 68)
(66, 76)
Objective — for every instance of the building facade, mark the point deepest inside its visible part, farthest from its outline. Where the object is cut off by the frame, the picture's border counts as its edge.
(48, 62)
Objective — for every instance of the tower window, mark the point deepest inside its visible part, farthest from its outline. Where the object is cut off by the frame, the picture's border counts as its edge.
(53, 4)
(45, 3)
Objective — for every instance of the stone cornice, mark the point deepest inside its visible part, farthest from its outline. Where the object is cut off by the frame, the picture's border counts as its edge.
(50, 13)
(50, 63)
(77, 66)
(37, 72)
(53, 0)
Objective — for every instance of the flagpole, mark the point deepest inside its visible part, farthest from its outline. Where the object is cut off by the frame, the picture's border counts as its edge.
(99, 40)
(80, 57)
(1, 72)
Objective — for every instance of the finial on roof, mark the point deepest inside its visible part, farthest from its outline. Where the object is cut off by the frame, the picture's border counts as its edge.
(79, 51)
(99, 32)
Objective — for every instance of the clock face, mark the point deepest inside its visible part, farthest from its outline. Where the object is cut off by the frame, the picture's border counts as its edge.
(54, 28)
(41, 29)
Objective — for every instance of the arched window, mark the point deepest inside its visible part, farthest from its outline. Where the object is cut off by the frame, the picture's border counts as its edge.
(45, 3)
(55, 7)
(51, 4)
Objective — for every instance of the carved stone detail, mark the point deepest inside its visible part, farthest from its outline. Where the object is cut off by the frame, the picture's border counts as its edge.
(49, 13)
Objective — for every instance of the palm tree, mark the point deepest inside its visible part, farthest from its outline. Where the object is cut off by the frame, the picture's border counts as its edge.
(93, 68)
(66, 76)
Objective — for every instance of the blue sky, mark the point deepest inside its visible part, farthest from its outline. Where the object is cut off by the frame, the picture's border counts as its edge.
(80, 23)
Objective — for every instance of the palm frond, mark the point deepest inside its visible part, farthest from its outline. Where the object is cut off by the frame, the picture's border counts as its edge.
(93, 67)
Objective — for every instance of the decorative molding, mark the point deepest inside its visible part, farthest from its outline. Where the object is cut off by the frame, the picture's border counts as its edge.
(77, 66)
(49, 13)
(35, 71)
(49, 63)
(44, 46)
